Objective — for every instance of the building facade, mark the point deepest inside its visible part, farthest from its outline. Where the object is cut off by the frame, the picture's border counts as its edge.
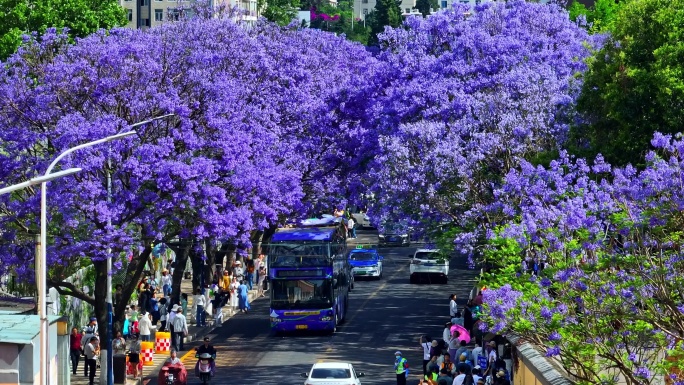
(149, 13)
(364, 7)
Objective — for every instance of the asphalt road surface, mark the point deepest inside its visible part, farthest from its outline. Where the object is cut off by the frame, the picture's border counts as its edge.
(384, 316)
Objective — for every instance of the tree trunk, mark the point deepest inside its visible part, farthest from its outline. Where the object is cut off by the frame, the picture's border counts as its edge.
(182, 250)
(100, 293)
(257, 237)
(134, 272)
(211, 250)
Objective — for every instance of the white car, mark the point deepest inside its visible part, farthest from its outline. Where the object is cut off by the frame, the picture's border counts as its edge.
(428, 263)
(332, 373)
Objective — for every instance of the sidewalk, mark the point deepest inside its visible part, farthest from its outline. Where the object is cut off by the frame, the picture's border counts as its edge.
(194, 333)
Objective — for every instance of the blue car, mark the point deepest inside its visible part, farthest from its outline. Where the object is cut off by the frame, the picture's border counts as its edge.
(365, 263)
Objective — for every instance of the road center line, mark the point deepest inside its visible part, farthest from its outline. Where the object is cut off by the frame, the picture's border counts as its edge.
(363, 305)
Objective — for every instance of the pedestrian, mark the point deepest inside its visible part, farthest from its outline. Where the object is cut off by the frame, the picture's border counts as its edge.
(163, 314)
(234, 295)
(426, 345)
(75, 349)
(453, 306)
(143, 296)
(448, 364)
(198, 302)
(401, 368)
(463, 350)
(169, 322)
(89, 331)
(250, 274)
(464, 364)
(454, 343)
(145, 325)
(261, 276)
(237, 270)
(133, 321)
(134, 355)
(224, 284)
(468, 321)
(352, 228)
(432, 376)
(500, 378)
(184, 303)
(91, 352)
(463, 378)
(243, 299)
(180, 327)
(433, 363)
(446, 333)
(490, 352)
(119, 344)
(167, 281)
(154, 305)
(444, 375)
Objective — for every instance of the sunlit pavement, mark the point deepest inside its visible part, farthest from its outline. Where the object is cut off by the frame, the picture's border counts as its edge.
(385, 315)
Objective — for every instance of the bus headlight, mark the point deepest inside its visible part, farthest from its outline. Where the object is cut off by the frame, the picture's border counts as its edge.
(326, 318)
(276, 320)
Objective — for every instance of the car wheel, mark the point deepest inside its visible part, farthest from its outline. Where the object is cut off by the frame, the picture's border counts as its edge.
(445, 280)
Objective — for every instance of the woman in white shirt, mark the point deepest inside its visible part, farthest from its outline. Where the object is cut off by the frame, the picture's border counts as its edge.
(453, 307)
(199, 301)
(234, 295)
(426, 352)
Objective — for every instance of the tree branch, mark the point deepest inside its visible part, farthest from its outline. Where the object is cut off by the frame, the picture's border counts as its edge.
(68, 288)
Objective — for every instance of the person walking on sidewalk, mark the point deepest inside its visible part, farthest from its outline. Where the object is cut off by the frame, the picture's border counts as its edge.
(351, 227)
(134, 356)
(75, 349)
(234, 295)
(250, 274)
(243, 298)
(261, 277)
(91, 352)
(180, 328)
(166, 281)
(145, 325)
(401, 368)
(198, 302)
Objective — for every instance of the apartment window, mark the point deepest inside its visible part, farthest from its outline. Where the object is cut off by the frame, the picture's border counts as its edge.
(477, 2)
(444, 3)
(364, 1)
(408, 10)
(465, 1)
(145, 22)
(158, 1)
(130, 15)
(365, 11)
(144, 3)
(158, 15)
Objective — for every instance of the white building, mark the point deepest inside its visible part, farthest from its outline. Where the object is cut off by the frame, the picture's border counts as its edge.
(150, 13)
(364, 7)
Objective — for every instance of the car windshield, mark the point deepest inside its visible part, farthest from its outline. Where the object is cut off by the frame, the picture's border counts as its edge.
(330, 373)
(395, 229)
(429, 255)
(362, 256)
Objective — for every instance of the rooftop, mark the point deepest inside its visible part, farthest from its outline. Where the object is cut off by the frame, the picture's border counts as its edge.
(21, 329)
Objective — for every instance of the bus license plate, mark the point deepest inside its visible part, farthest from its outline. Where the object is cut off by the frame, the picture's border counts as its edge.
(302, 326)
(361, 272)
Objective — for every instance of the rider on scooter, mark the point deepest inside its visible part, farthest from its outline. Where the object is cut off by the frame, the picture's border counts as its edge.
(206, 348)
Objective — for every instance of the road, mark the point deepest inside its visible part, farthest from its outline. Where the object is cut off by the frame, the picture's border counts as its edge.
(385, 315)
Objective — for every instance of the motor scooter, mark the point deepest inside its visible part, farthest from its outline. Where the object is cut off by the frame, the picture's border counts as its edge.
(204, 367)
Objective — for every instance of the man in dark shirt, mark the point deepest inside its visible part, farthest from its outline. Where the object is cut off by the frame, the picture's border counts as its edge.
(206, 348)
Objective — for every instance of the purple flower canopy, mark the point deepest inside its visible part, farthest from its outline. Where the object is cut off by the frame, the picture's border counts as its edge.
(261, 132)
(468, 97)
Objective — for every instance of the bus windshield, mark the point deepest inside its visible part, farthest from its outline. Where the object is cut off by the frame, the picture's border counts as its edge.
(301, 294)
(295, 255)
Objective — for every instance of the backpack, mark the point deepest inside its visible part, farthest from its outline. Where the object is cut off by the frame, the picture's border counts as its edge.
(469, 380)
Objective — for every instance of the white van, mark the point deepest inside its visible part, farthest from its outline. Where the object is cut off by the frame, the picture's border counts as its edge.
(427, 263)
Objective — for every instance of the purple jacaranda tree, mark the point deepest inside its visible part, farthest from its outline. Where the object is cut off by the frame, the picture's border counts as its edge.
(467, 97)
(251, 114)
(587, 264)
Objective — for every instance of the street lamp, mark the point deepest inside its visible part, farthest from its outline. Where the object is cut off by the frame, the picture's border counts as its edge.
(42, 257)
(39, 180)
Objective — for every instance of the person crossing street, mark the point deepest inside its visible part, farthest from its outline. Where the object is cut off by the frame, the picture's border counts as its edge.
(401, 368)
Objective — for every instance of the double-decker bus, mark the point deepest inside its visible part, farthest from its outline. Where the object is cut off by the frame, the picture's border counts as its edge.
(309, 276)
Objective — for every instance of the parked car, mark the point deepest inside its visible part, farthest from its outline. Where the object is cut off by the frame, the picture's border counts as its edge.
(429, 264)
(332, 373)
(366, 263)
